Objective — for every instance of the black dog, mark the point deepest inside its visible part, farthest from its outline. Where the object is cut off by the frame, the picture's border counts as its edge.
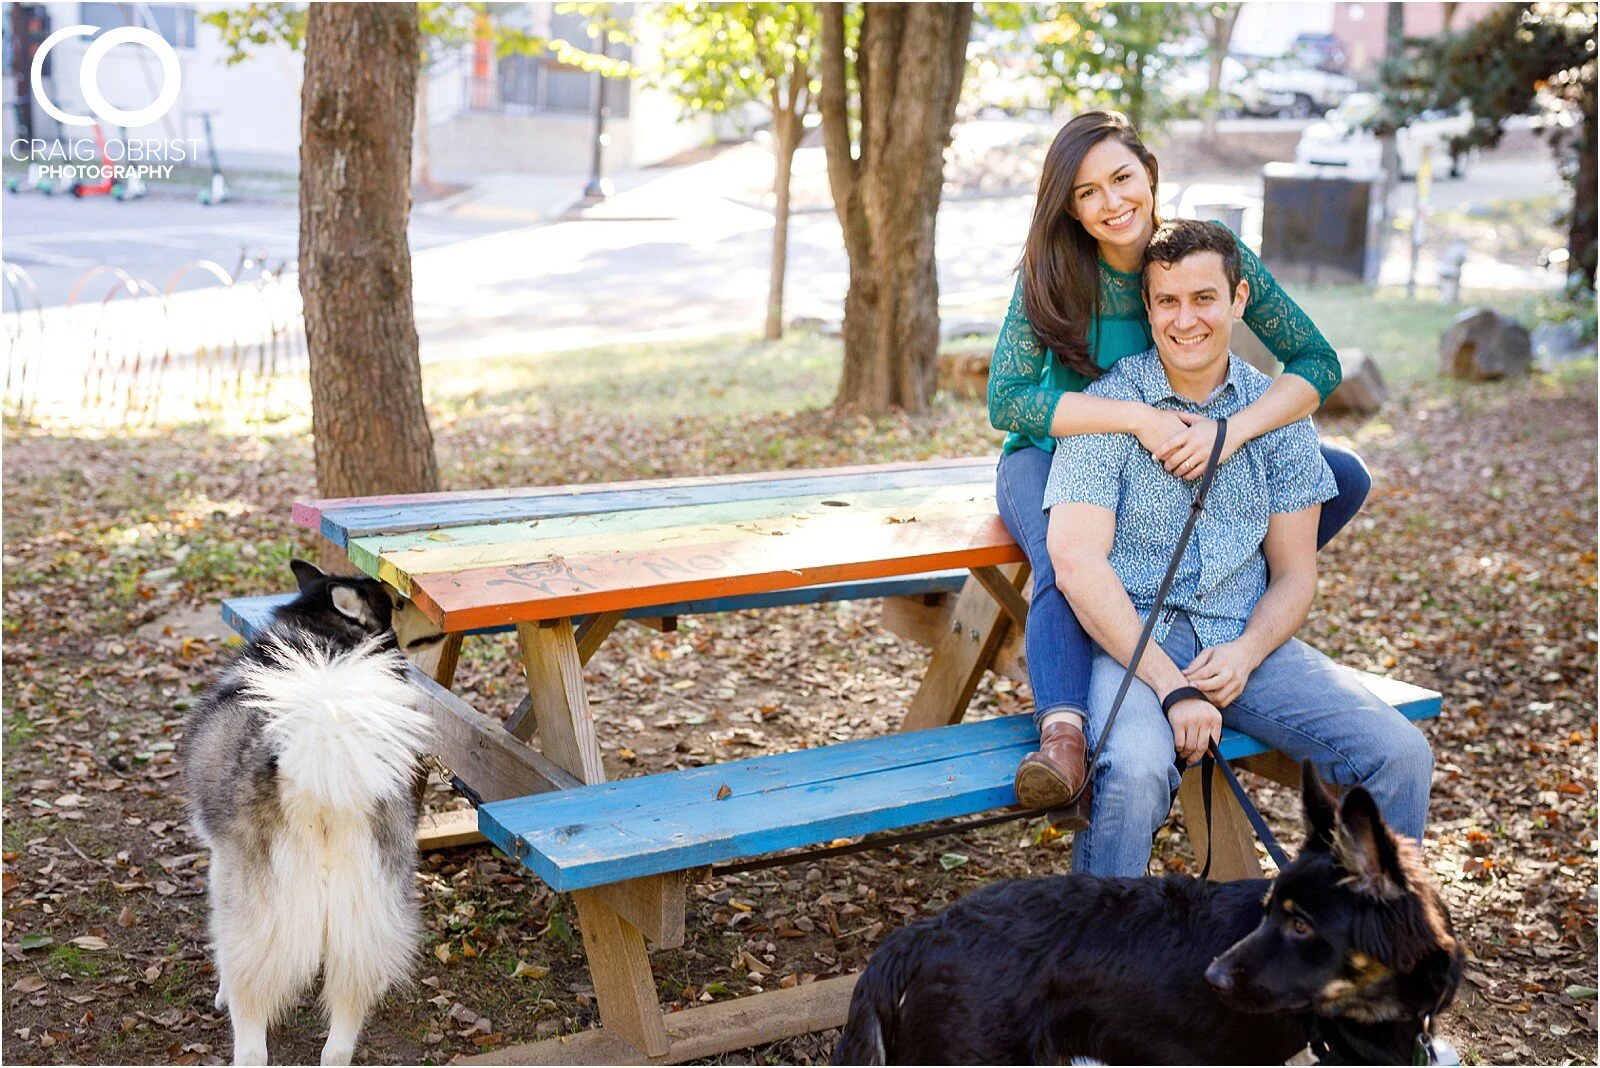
(1350, 950)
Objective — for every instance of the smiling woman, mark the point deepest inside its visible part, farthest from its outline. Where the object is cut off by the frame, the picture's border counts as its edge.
(1077, 309)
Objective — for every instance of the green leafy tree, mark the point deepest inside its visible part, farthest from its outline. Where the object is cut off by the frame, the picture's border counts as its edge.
(720, 56)
(1098, 54)
(442, 26)
(1519, 59)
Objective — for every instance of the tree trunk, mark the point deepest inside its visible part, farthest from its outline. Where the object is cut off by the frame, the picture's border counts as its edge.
(367, 416)
(1581, 232)
(787, 129)
(1394, 43)
(1219, 36)
(910, 60)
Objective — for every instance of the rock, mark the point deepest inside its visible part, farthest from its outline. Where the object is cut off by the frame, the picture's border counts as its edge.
(1482, 344)
(950, 329)
(964, 372)
(1557, 343)
(1362, 389)
(817, 325)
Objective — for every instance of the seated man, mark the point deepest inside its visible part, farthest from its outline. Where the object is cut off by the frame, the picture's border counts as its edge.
(1226, 629)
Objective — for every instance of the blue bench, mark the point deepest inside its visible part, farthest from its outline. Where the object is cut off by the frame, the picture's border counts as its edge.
(588, 836)
(600, 834)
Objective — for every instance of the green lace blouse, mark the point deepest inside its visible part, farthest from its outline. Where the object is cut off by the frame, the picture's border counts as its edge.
(1026, 380)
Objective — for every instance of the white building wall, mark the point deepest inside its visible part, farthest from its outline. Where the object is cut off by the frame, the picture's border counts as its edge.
(1269, 28)
(255, 108)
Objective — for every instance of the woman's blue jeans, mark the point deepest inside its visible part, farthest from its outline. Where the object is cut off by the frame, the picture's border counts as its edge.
(1059, 651)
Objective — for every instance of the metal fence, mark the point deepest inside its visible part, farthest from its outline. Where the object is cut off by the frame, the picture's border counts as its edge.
(123, 352)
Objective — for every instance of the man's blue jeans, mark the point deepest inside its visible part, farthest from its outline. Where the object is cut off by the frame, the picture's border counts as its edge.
(1057, 648)
(1298, 701)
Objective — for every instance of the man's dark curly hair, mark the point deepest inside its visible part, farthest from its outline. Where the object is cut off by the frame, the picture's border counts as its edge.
(1179, 239)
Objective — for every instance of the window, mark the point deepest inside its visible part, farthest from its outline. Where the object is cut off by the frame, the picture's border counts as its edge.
(174, 22)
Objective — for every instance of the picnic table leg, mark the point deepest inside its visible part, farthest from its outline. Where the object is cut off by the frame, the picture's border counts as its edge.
(439, 660)
(1231, 835)
(977, 625)
(619, 963)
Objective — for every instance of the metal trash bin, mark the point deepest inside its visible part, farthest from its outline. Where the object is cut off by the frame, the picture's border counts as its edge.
(1321, 224)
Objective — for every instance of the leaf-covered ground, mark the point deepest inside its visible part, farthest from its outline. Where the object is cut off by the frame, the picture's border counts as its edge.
(1472, 571)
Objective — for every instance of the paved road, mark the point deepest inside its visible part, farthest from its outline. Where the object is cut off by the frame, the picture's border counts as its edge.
(673, 257)
(57, 239)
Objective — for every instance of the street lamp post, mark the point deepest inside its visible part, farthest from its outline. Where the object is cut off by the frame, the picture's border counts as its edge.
(599, 187)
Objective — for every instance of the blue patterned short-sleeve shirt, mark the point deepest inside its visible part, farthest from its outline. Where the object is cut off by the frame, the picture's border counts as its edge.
(1224, 571)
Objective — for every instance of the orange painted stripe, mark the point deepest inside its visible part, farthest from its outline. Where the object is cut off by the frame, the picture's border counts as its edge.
(551, 589)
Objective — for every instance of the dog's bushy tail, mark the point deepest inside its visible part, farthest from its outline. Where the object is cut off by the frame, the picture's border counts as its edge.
(868, 1036)
(344, 725)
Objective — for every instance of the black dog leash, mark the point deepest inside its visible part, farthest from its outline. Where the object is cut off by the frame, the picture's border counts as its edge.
(1213, 758)
(1206, 480)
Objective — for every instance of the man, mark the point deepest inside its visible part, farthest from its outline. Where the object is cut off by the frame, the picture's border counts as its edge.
(1223, 651)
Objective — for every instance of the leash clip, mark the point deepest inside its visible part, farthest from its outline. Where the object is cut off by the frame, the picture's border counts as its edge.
(1433, 1051)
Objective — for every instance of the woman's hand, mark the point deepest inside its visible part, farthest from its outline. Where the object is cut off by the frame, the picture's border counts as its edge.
(1156, 426)
(1186, 451)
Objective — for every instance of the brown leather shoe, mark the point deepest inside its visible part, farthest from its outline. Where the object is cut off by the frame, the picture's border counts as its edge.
(1047, 779)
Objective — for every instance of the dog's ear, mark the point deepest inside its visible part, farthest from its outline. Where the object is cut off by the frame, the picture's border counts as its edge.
(1318, 807)
(305, 573)
(1364, 847)
(350, 604)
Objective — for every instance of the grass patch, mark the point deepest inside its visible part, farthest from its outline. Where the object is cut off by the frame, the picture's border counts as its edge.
(719, 377)
(75, 961)
(1401, 335)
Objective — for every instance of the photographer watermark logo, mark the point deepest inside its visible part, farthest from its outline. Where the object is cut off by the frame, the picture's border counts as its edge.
(89, 76)
(69, 160)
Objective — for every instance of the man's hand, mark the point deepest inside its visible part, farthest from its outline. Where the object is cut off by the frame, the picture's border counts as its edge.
(1195, 724)
(1222, 670)
(1185, 453)
(1157, 426)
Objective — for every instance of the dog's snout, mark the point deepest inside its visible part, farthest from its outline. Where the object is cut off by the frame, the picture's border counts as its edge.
(1220, 975)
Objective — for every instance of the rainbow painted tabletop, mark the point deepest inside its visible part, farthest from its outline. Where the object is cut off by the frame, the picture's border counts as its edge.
(488, 558)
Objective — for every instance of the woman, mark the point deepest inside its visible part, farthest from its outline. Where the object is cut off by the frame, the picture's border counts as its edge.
(1077, 310)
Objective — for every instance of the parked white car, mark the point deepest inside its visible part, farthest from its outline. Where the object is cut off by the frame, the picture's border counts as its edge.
(1287, 90)
(1341, 141)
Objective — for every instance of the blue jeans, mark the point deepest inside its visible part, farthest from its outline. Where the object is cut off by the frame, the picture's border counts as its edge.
(1298, 701)
(1057, 648)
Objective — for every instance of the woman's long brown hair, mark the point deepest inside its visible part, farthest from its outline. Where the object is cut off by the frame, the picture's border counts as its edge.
(1061, 262)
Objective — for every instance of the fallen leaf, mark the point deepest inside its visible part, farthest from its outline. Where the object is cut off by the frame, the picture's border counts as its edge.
(529, 971)
(90, 942)
(36, 941)
(125, 918)
(952, 861)
(28, 984)
(442, 951)
(724, 791)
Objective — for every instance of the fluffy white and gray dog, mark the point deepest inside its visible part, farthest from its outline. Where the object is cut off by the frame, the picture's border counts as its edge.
(301, 772)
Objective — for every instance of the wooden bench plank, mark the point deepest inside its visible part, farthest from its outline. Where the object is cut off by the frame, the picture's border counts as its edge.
(700, 1032)
(651, 550)
(484, 544)
(747, 563)
(671, 821)
(341, 520)
(308, 512)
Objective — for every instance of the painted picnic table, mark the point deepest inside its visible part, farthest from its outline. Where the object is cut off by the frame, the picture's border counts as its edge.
(565, 564)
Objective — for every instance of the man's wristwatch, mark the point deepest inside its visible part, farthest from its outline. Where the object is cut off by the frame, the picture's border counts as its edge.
(1182, 693)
